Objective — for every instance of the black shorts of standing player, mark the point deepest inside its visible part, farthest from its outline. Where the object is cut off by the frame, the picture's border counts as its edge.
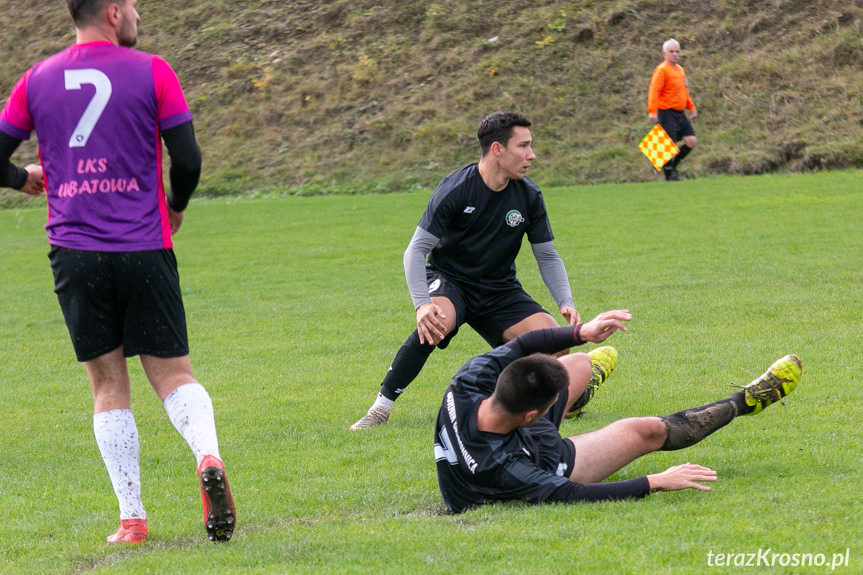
(489, 310)
(676, 124)
(128, 299)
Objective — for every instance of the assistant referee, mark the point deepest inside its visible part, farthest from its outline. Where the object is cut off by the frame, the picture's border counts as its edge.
(667, 98)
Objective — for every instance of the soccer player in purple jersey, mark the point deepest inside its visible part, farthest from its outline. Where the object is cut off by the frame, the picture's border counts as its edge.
(100, 111)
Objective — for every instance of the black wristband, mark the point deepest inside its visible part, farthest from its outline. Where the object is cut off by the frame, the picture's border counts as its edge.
(578, 340)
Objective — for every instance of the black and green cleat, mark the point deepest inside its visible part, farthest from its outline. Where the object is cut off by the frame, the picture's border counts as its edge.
(779, 380)
(602, 362)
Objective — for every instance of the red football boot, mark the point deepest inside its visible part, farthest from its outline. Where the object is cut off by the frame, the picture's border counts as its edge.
(219, 514)
(130, 531)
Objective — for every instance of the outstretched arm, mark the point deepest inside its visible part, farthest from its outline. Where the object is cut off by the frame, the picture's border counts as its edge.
(605, 491)
(672, 479)
(551, 340)
(537, 485)
(555, 339)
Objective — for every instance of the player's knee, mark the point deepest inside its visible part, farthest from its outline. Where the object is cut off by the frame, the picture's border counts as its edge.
(578, 369)
(575, 362)
(690, 141)
(653, 431)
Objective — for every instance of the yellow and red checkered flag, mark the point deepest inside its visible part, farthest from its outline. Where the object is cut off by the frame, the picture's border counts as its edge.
(658, 147)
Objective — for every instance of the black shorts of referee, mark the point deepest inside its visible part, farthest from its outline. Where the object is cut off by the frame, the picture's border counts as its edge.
(676, 124)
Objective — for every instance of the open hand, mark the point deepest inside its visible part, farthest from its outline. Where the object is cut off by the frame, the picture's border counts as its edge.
(681, 477)
(602, 326)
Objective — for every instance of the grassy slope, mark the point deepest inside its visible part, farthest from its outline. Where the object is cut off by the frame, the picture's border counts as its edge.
(363, 96)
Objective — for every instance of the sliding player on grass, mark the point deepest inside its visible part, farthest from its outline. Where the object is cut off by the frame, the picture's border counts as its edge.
(497, 439)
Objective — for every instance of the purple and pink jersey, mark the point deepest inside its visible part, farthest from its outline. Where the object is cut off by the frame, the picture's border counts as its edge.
(98, 110)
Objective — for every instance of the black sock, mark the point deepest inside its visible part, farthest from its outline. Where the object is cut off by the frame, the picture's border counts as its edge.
(684, 150)
(581, 401)
(409, 361)
(690, 426)
(739, 399)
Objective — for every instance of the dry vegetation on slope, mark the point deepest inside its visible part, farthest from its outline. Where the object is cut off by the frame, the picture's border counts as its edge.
(352, 96)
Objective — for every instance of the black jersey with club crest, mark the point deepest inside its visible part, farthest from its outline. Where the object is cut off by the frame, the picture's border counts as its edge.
(480, 230)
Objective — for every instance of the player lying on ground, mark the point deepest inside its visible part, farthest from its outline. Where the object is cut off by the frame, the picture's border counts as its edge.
(497, 439)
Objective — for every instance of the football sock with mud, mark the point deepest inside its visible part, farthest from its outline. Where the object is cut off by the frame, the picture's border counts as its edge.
(117, 438)
(688, 427)
(190, 409)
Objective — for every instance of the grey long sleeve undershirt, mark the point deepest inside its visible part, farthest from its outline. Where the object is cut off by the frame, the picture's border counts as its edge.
(550, 268)
(420, 246)
(553, 273)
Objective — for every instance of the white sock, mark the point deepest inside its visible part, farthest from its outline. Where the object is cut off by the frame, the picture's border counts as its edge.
(190, 409)
(117, 438)
(384, 403)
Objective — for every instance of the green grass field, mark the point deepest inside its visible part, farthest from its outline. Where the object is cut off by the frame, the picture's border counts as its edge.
(296, 306)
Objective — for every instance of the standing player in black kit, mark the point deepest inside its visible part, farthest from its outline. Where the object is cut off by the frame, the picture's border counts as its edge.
(472, 231)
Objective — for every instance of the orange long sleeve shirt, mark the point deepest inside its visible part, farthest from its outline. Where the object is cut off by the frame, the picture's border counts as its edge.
(668, 89)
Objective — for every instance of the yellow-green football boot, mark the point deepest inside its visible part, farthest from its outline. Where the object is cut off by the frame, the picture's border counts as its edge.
(603, 360)
(779, 380)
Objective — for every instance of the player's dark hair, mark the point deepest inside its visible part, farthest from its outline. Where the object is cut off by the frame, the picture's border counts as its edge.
(530, 382)
(497, 127)
(86, 12)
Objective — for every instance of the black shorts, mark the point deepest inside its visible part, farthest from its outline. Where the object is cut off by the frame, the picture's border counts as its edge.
(128, 299)
(676, 124)
(556, 454)
(488, 310)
